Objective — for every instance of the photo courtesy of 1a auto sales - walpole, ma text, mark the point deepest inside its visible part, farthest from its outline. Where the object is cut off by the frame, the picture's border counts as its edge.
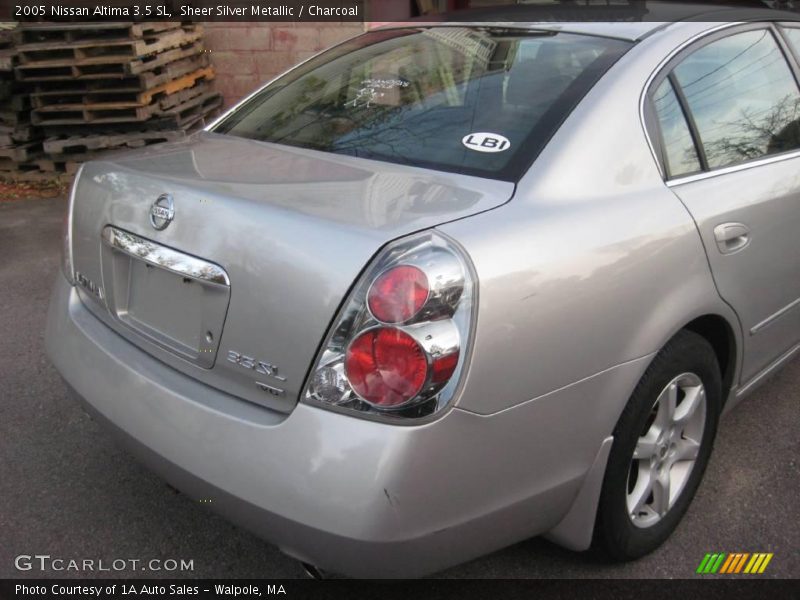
(399, 298)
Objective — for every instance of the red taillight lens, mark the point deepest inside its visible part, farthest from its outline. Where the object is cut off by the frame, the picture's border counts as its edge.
(398, 294)
(444, 367)
(386, 367)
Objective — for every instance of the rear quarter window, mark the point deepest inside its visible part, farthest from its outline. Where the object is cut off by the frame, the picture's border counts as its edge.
(680, 152)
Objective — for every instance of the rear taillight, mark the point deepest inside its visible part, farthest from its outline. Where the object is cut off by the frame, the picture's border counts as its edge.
(398, 347)
(67, 266)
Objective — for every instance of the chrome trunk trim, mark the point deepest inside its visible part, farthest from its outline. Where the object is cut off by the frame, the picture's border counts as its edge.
(166, 258)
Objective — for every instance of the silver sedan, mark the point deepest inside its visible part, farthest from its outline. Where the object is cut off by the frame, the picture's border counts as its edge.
(446, 287)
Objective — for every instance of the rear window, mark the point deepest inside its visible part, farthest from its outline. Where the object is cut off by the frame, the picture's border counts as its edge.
(477, 100)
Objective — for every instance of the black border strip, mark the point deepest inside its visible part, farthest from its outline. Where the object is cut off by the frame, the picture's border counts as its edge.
(706, 587)
(378, 10)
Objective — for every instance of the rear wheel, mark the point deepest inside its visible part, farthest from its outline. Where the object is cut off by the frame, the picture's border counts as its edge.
(662, 444)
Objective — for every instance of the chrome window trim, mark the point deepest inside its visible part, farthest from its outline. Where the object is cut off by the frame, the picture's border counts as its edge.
(155, 254)
(657, 72)
(759, 162)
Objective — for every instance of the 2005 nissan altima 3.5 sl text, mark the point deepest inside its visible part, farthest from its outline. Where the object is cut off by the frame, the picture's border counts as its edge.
(446, 287)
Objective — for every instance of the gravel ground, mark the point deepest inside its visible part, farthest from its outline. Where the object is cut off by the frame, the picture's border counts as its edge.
(68, 491)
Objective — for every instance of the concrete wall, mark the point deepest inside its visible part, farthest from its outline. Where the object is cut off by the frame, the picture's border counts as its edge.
(246, 55)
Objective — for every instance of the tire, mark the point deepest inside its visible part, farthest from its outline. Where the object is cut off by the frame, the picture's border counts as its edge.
(672, 451)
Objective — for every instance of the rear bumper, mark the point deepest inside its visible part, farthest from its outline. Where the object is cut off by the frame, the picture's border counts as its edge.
(348, 495)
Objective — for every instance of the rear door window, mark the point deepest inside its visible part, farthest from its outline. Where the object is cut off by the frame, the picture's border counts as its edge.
(743, 97)
(475, 100)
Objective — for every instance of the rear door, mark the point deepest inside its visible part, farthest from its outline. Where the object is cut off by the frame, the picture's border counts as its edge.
(728, 111)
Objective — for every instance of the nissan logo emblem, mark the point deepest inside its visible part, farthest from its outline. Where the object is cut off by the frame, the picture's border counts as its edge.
(162, 212)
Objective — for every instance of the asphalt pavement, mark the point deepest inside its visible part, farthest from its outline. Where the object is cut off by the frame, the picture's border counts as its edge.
(67, 491)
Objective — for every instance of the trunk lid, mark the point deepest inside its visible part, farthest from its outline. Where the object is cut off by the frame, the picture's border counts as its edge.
(290, 229)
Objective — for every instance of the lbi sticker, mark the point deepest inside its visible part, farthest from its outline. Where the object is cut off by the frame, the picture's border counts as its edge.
(486, 142)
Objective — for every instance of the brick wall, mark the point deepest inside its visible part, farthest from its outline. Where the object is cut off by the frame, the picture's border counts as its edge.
(246, 55)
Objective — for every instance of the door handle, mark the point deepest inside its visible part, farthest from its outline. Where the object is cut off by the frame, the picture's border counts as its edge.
(731, 237)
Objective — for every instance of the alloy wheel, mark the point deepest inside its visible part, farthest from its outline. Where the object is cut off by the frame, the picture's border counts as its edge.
(666, 450)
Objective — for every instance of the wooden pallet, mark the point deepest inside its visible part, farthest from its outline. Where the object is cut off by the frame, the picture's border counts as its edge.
(11, 165)
(100, 69)
(72, 145)
(134, 83)
(51, 167)
(99, 88)
(97, 32)
(170, 102)
(17, 102)
(8, 54)
(7, 88)
(8, 59)
(6, 37)
(91, 52)
(176, 85)
(83, 129)
(91, 114)
(130, 97)
(41, 169)
(9, 116)
(22, 153)
(16, 133)
(176, 116)
(189, 112)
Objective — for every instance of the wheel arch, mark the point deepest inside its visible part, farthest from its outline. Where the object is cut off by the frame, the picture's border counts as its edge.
(718, 332)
